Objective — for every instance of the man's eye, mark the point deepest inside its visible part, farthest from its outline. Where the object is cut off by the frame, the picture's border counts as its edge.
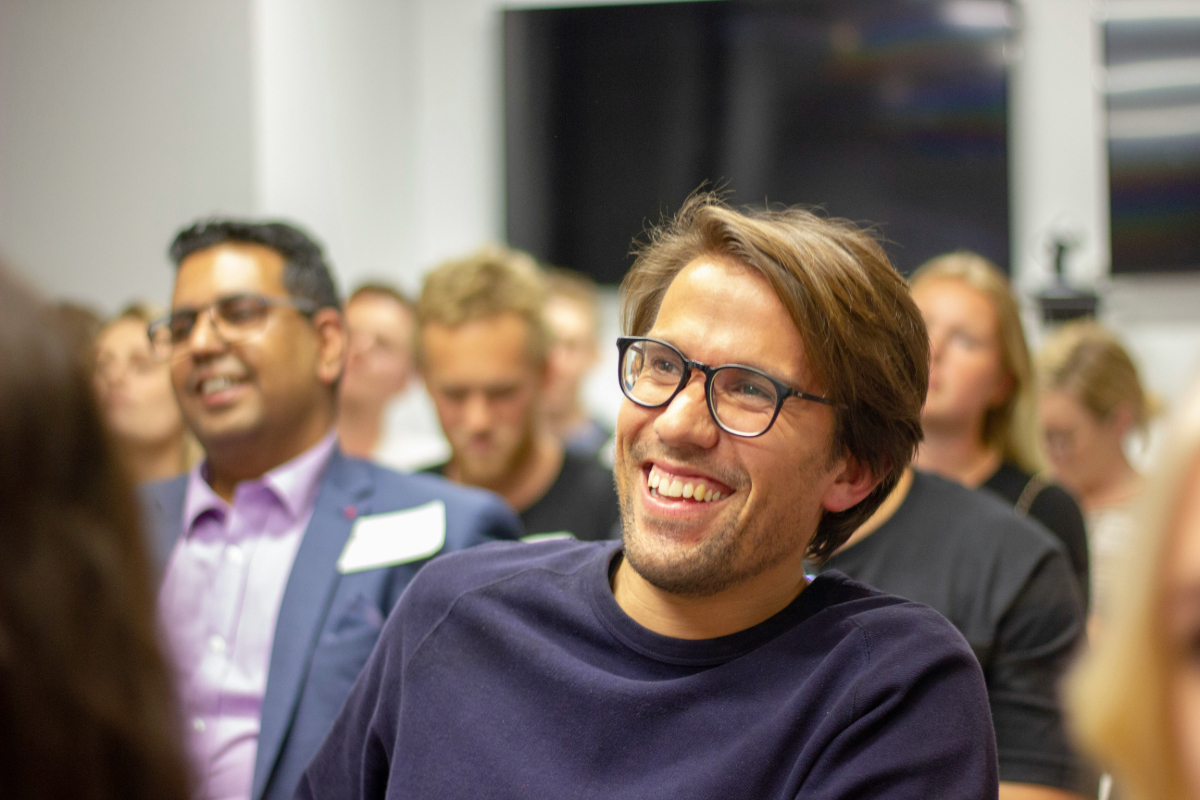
(965, 340)
(181, 324)
(242, 310)
(750, 391)
(665, 366)
(501, 394)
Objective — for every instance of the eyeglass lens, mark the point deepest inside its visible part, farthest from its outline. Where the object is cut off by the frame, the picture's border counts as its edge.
(234, 317)
(743, 401)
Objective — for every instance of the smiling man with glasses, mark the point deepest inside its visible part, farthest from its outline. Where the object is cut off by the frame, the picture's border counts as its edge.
(774, 370)
(280, 556)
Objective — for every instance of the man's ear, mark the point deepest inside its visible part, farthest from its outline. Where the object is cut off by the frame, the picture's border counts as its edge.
(852, 482)
(332, 342)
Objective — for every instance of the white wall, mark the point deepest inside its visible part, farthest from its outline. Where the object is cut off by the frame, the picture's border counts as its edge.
(335, 145)
(118, 122)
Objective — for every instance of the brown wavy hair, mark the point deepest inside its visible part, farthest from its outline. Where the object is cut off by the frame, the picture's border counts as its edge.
(87, 708)
(865, 340)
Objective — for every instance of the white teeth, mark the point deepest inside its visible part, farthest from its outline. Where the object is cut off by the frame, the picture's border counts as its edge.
(665, 486)
(218, 384)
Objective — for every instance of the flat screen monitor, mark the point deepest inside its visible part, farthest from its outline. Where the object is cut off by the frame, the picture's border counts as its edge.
(1153, 93)
(887, 112)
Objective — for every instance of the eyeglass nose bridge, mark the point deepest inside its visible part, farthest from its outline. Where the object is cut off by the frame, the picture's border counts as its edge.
(214, 324)
(685, 379)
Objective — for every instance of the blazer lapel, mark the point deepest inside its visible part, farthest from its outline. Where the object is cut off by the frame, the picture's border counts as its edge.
(162, 511)
(310, 589)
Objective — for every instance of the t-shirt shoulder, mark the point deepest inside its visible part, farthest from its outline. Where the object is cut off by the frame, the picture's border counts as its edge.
(454, 574)
(892, 627)
(981, 518)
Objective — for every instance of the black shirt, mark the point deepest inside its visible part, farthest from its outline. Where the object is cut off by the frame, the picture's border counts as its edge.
(1050, 505)
(582, 501)
(1007, 586)
(513, 673)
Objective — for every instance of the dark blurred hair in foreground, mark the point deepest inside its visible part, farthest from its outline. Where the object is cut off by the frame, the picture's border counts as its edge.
(87, 709)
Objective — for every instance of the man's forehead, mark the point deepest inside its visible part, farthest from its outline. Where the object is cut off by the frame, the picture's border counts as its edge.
(379, 311)
(228, 268)
(718, 312)
(491, 345)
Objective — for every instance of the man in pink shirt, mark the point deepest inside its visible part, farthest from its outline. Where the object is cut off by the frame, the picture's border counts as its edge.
(281, 557)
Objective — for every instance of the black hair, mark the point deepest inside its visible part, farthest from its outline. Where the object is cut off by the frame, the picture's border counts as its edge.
(306, 273)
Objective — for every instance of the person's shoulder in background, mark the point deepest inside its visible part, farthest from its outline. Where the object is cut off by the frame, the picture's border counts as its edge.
(1040, 499)
(582, 501)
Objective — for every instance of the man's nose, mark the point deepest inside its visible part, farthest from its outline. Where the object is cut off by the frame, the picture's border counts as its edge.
(686, 419)
(477, 414)
(204, 337)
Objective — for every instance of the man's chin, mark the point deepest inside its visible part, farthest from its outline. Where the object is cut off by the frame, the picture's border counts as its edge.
(478, 472)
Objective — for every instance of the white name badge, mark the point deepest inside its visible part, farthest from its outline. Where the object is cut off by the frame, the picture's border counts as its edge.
(397, 537)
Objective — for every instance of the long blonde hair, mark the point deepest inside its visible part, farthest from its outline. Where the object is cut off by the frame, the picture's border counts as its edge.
(1117, 696)
(1009, 427)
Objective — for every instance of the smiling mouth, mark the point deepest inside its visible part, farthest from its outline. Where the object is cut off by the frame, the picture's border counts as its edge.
(661, 483)
(217, 384)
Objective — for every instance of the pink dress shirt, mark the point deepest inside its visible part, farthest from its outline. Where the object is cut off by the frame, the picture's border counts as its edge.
(218, 606)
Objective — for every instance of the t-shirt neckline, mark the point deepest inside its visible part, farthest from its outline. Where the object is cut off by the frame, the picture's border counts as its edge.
(695, 652)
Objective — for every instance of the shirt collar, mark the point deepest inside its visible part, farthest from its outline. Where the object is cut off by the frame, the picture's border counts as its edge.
(293, 483)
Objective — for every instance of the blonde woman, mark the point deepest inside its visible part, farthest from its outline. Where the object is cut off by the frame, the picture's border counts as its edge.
(978, 414)
(133, 387)
(1135, 699)
(1090, 400)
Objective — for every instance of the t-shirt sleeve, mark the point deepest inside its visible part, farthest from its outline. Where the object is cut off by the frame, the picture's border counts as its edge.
(1056, 509)
(1035, 642)
(919, 725)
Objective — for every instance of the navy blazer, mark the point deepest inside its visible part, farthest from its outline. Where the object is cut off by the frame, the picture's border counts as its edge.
(328, 622)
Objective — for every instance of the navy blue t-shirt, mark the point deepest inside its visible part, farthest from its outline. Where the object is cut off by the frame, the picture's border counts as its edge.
(510, 671)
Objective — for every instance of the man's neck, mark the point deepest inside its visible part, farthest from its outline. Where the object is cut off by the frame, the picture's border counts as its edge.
(724, 613)
(151, 462)
(247, 461)
(887, 509)
(530, 478)
(958, 455)
(359, 426)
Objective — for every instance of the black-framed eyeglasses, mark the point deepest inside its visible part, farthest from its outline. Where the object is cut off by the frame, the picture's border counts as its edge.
(743, 401)
(234, 317)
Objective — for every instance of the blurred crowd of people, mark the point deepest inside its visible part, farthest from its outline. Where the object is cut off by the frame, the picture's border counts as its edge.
(274, 434)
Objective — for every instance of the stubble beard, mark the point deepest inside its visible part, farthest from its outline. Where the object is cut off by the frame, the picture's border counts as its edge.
(732, 552)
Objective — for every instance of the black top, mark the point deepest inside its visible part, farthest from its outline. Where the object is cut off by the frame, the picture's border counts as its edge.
(1050, 505)
(582, 501)
(513, 673)
(1006, 584)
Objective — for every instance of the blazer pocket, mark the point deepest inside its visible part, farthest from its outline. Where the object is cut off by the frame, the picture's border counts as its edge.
(360, 616)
